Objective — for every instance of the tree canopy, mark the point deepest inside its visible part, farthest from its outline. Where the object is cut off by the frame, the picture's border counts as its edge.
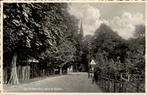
(30, 29)
(114, 53)
(44, 31)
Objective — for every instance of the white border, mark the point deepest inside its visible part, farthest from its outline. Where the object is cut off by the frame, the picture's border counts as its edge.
(65, 1)
(1, 47)
(75, 1)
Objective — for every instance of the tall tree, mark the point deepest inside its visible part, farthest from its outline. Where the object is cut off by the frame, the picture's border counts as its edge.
(109, 49)
(136, 53)
(33, 28)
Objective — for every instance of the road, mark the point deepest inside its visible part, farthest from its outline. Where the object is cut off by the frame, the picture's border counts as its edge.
(72, 82)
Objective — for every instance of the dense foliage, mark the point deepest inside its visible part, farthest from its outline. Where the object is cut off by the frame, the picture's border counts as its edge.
(44, 31)
(115, 55)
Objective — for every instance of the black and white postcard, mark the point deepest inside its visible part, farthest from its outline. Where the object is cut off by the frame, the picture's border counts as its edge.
(73, 47)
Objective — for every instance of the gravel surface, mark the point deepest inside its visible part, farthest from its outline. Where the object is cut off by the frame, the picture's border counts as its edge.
(72, 82)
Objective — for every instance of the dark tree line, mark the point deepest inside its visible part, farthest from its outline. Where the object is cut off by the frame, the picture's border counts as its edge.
(115, 55)
(42, 31)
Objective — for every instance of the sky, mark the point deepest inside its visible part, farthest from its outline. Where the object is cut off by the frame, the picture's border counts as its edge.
(121, 17)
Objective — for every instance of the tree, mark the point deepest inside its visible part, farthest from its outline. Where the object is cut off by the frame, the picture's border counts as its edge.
(109, 43)
(109, 50)
(18, 32)
(66, 35)
(30, 29)
(136, 53)
(115, 55)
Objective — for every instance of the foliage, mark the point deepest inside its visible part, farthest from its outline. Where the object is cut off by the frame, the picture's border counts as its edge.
(30, 29)
(44, 31)
(115, 55)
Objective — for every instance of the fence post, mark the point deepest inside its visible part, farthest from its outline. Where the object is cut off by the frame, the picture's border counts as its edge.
(137, 86)
(120, 85)
(108, 89)
(105, 84)
(114, 86)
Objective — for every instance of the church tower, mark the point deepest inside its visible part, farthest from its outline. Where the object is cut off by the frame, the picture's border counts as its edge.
(81, 30)
(80, 64)
(81, 53)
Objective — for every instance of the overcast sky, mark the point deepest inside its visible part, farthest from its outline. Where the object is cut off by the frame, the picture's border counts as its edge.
(121, 17)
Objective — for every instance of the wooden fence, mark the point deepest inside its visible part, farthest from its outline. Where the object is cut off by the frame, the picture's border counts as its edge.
(107, 84)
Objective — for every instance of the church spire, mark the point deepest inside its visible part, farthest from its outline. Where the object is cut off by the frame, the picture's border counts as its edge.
(81, 29)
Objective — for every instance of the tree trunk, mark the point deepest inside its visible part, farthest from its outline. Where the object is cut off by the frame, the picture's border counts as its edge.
(5, 74)
(60, 70)
(23, 72)
(19, 72)
(13, 75)
(28, 72)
